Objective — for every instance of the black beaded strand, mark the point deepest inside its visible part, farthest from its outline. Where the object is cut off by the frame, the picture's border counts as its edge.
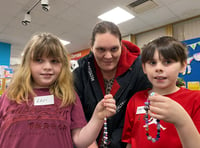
(149, 137)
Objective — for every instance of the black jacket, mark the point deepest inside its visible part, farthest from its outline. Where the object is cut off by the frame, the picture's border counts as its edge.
(129, 79)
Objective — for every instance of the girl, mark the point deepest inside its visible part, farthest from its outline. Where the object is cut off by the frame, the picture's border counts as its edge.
(40, 107)
(171, 116)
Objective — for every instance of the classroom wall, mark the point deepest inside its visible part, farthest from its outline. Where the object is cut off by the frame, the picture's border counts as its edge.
(182, 30)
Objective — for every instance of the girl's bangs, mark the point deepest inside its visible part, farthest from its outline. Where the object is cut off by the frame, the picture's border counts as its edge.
(47, 50)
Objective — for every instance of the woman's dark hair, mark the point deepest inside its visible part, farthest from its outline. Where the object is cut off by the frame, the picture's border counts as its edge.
(104, 27)
(167, 47)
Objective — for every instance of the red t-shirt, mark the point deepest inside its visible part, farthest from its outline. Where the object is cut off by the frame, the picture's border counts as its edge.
(45, 126)
(134, 130)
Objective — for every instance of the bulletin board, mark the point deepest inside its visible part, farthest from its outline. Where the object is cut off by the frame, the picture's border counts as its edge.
(6, 74)
(191, 75)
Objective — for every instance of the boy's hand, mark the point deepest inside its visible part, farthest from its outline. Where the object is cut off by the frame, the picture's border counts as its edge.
(164, 108)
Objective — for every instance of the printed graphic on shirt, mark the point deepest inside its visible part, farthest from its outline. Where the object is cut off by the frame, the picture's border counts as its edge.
(153, 121)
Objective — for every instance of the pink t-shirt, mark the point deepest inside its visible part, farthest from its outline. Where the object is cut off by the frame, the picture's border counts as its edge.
(45, 126)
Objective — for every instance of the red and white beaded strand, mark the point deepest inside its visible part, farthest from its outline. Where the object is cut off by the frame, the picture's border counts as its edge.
(149, 137)
(105, 133)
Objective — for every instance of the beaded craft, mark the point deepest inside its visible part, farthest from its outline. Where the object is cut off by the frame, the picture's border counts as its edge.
(105, 133)
(149, 137)
(105, 140)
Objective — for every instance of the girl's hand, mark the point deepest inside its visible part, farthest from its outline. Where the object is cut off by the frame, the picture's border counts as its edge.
(106, 107)
(93, 145)
(166, 109)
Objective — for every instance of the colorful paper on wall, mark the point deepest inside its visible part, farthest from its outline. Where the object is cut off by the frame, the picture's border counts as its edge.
(192, 74)
(193, 85)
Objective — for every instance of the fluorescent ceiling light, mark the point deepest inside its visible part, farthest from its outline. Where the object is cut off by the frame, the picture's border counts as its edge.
(116, 15)
(64, 42)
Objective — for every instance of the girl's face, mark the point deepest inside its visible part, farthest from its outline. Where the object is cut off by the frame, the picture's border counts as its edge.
(45, 71)
(107, 51)
(163, 73)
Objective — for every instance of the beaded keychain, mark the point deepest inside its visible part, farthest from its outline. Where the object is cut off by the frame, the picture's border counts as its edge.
(149, 137)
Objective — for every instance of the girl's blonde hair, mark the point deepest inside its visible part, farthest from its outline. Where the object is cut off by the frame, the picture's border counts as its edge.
(21, 87)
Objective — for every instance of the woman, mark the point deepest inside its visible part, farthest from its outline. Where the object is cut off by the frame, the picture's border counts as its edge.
(113, 67)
